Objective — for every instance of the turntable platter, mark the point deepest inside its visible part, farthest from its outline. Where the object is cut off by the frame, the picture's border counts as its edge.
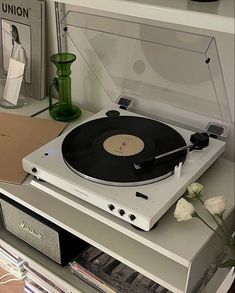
(105, 150)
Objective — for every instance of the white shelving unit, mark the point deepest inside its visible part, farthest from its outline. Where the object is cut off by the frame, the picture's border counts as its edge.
(216, 16)
(174, 254)
(31, 108)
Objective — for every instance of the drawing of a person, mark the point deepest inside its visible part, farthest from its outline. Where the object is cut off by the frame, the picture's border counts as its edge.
(18, 52)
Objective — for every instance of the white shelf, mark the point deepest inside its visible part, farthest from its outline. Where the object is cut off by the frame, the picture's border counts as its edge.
(161, 254)
(140, 250)
(129, 251)
(215, 16)
(31, 108)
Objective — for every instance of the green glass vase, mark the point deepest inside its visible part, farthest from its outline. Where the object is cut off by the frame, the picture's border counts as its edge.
(64, 110)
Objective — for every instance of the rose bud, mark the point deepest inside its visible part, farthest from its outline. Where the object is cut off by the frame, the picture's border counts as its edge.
(215, 205)
(195, 190)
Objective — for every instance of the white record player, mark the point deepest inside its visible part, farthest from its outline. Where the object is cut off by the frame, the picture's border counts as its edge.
(156, 68)
(140, 205)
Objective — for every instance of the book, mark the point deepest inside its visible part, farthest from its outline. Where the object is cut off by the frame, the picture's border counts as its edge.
(43, 281)
(17, 264)
(12, 262)
(32, 287)
(11, 268)
(22, 37)
(14, 258)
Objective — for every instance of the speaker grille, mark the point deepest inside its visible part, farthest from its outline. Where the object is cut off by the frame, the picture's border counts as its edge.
(37, 234)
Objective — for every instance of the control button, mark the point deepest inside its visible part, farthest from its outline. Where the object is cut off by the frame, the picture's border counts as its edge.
(132, 217)
(121, 212)
(111, 207)
(112, 113)
(34, 170)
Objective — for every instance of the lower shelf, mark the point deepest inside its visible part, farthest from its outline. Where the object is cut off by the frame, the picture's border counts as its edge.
(73, 284)
(99, 270)
(152, 264)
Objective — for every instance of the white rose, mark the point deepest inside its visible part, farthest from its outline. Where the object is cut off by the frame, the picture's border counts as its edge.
(215, 205)
(195, 190)
(184, 210)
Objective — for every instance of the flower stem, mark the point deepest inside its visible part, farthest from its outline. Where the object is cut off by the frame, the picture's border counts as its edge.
(224, 225)
(200, 218)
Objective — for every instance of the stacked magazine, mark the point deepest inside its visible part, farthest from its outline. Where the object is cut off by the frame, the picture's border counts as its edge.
(12, 263)
(109, 275)
(35, 282)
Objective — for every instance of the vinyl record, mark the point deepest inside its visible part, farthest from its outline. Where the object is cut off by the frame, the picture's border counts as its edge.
(107, 150)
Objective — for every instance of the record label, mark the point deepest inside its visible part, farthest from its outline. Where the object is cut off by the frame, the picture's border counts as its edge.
(123, 145)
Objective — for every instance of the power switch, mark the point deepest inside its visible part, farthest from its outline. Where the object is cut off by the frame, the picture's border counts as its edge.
(139, 194)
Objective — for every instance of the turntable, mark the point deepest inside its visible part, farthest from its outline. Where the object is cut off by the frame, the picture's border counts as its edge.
(109, 162)
(164, 128)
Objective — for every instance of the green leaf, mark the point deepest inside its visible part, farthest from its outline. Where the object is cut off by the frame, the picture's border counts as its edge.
(228, 264)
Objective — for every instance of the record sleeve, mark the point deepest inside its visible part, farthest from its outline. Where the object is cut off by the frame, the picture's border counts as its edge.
(109, 275)
(19, 135)
(41, 281)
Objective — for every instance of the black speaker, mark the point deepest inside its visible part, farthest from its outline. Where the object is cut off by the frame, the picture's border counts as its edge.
(52, 240)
